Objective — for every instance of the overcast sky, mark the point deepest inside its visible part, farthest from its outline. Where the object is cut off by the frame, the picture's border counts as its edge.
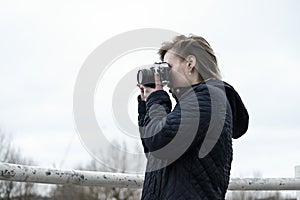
(43, 45)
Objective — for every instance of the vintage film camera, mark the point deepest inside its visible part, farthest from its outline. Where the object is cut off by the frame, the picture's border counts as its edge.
(145, 77)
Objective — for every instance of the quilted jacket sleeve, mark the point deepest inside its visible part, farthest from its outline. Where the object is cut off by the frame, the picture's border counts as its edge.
(162, 105)
(159, 126)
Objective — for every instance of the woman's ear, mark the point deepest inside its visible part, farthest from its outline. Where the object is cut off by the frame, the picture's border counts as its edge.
(191, 62)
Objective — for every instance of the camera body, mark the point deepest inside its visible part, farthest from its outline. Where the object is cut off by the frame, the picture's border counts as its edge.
(145, 77)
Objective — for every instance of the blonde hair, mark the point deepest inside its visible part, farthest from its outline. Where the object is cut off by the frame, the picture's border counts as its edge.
(197, 46)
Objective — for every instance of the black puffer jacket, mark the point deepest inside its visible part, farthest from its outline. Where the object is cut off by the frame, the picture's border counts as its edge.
(189, 149)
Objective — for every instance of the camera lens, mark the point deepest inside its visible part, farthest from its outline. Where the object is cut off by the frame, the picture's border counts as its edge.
(140, 77)
(146, 77)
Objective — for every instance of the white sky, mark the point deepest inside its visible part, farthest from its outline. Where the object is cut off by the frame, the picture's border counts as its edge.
(44, 43)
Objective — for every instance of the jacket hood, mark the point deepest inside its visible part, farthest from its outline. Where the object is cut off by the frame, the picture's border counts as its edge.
(240, 116)
(239, 112)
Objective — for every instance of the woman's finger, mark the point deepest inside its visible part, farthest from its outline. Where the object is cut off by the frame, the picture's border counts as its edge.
(158, 85)
(142, 90)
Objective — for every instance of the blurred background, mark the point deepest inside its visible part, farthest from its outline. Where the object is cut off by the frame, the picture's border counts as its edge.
(43, 45)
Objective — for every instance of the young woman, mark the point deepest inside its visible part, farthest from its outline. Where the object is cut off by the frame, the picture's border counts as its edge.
(189, 148)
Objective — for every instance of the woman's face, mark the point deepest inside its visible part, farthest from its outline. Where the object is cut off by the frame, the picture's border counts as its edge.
(179, 70)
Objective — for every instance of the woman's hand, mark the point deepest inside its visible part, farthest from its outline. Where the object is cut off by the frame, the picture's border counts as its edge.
(146, 91)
